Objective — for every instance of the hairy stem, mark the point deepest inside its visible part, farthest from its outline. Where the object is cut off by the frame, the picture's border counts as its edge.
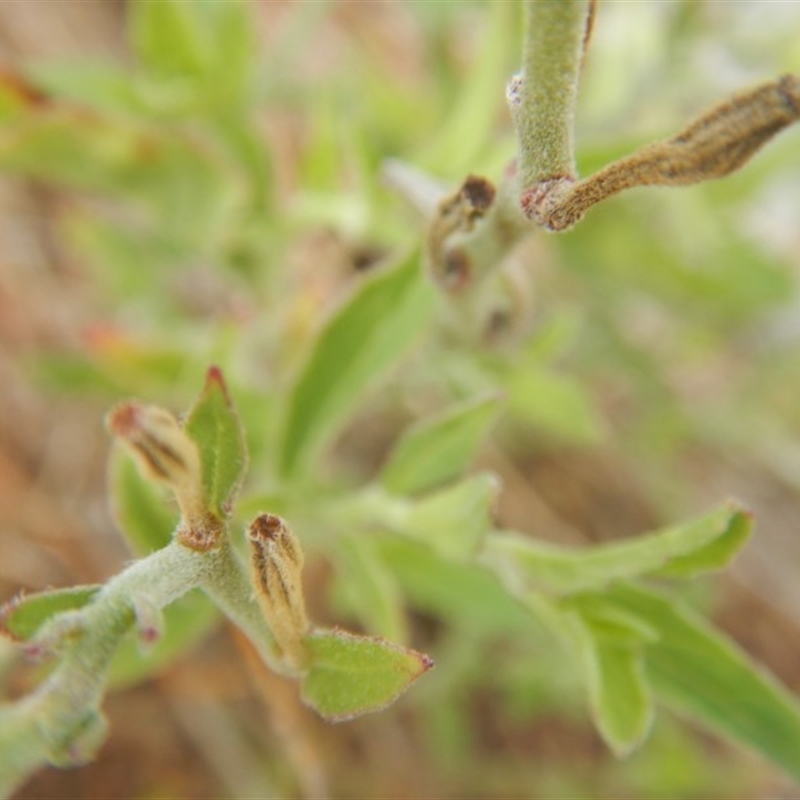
(46, 726)
(552, 53)
(60, 722)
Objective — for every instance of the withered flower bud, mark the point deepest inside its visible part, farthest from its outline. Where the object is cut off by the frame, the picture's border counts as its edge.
(166, 454)
(276, 563)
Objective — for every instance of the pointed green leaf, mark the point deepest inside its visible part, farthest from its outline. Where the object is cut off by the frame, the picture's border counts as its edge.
(705, 543)
(358, 344)
(608, 621)
(104, 87)
(22, 616)
(455, 521)
(186, 622)
(140, 508)
(619, 696)
(168, 37)
(717, 554)
(353, 675)
(701, 673)
(439, 448)
(214, 426)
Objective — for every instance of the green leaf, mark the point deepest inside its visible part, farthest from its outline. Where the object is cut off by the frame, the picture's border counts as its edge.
(439, 448)
(701, 673)
(683, 550)
(359, 343)
(463, 593)
(214, 426)
(455, 521)
(718, 553)
(370, 587)
(556, 404)
(471, 122)
(233, 34)
(103, 87)
(168, 37)
(186, 622)
(22, 616)
(69, 148)
(140, 508)
(618, 693)
(619, 696)
(353, 675)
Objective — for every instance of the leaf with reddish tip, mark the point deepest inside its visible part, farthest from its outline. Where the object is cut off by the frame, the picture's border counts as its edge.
(22, 616)
(214, 425)
(353, 675)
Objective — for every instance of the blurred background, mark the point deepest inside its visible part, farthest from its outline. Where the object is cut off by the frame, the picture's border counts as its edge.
(166, 203)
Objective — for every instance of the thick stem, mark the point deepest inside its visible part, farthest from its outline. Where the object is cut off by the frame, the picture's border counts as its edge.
(552, 54)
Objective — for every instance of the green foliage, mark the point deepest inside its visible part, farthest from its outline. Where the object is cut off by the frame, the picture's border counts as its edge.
(700, 673)
(681, 551)
(140, 511)
(455, 521)
(438, 449)
(355, 347)
(22, 617)
(619, 695)
(213, 424)
(351, 675)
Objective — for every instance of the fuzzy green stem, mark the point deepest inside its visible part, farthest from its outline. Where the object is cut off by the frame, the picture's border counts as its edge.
(57, 722)
(229, 586)
(552, 53)
(42, 727)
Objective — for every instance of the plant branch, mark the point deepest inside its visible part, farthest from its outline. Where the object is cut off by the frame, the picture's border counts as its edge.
(553, 46)
(712, 146)
(61, 722)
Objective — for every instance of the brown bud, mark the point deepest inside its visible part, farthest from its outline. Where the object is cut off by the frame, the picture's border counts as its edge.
(166, 454)
(456, 216)
(276, 563)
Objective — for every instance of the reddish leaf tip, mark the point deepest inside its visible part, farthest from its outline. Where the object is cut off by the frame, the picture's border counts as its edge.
(214, 375)
(215, 380)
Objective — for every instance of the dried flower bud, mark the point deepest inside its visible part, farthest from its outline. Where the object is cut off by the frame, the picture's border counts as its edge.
(158, 443)
(456, 217)
(166, 454)
(276, 563)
